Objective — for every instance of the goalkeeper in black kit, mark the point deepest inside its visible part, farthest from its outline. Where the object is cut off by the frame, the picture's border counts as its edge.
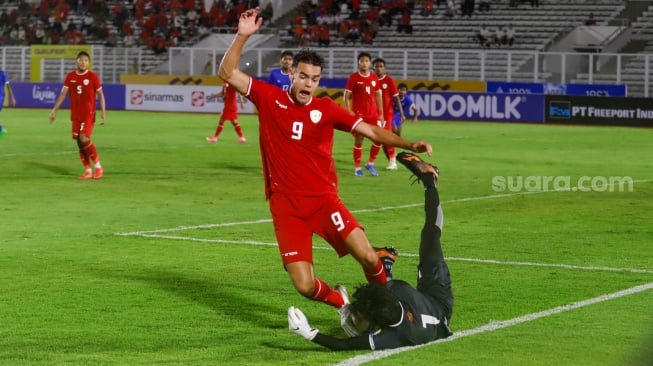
(396, 314)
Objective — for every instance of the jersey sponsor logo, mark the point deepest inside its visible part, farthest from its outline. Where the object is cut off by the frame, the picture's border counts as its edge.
(281, 105)
(316, 116)
(197, 98)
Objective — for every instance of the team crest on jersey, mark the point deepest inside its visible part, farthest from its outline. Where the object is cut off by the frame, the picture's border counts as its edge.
(316, 116)
(86, 81)
(410, 317)
(384, 86)
(373, 83)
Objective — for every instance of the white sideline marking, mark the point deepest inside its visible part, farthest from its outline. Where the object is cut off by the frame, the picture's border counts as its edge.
(496, 325)
(262, 221)
(402, 254)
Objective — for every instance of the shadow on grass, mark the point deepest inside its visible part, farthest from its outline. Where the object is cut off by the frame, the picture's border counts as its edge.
(56, 169)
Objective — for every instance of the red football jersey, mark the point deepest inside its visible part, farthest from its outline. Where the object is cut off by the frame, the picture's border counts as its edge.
(230, 99)
(297, 140)
(363, 90)
(390, 91)
(82, 89)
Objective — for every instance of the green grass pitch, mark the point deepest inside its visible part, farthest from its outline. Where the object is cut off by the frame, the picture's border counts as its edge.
(171, 258)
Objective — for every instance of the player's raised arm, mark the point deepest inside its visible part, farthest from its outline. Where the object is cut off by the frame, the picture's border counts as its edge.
(248, 24)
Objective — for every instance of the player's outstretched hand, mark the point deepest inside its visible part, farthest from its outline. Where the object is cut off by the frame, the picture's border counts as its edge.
(422, 146)
(249, 22)
(297, 323)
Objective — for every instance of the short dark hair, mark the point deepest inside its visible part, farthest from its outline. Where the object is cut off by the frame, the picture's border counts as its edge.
(308, 56)
(364, 54)
(286, 53)
(402, 85)
(378, 59)
(83, 53)
(377, 303)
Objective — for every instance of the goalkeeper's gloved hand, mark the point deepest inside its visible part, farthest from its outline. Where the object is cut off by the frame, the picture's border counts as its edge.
(297, 323)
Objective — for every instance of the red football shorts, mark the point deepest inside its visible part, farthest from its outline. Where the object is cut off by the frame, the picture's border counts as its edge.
(83, 126)
(296, 218)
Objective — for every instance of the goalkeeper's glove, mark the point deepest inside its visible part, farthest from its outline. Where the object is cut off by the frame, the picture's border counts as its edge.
(297, 323)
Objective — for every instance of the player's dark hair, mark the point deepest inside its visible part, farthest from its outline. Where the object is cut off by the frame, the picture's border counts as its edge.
(378, 59)
(364, 54)
(377, 304)
(308, 56)
(83, 53)
(402, 85)
(286, 53)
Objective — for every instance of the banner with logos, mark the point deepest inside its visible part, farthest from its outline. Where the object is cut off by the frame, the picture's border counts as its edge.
(177, 98)
(44, 95)
(479, 107)
(582, 90)
(599, 110)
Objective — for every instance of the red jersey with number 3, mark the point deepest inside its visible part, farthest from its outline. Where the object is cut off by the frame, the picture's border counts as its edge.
(363, 91)
(82, 89)
(297, 140)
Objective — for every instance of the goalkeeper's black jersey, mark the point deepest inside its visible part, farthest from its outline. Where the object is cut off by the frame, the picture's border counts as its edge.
(424, 320)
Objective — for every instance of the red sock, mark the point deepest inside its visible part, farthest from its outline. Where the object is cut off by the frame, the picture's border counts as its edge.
(325, 294)
(91, 152)
(218, 130)
(374, 152)
(238, 129)
(377, 275)
(358, 154)
(84, 159)
(389, 151)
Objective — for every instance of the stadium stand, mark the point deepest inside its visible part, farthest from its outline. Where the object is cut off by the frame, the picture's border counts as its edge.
(447, 43)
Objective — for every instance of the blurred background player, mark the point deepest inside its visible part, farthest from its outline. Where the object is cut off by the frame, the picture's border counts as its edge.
(396, 314)
(405, 107)
(4, 81)
(86, 89)
(390, 96)
(230, 100)
(363, 98)
(281, 75)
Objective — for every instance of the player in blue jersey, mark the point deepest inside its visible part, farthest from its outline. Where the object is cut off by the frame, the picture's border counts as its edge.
(407, 106)
(4, 84)
(281, 76)
(396, 314)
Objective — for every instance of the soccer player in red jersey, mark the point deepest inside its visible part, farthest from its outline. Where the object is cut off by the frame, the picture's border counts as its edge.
(296, 141)
(389, 93)
(229, 112)
(84, 86)
(363, 97)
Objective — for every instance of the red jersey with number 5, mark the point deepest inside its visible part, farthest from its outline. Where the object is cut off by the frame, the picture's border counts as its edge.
(297, 140)
(82, 89)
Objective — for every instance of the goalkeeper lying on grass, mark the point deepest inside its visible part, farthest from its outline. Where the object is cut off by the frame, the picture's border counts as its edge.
(396, 314)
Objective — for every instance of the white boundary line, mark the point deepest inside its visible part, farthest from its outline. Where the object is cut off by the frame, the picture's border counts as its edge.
(456, 259)
(261, 221)
(492, 326)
